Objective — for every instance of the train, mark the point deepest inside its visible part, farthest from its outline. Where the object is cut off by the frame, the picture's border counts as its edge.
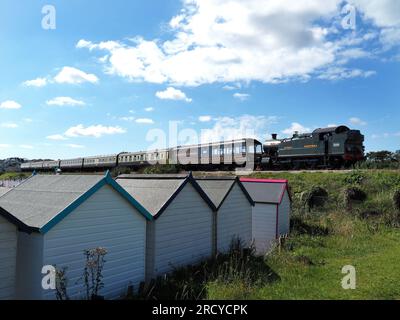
(333, 147)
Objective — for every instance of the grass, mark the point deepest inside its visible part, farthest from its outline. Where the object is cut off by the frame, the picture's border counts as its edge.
(13, 175)
(309, 266)
(323, 240)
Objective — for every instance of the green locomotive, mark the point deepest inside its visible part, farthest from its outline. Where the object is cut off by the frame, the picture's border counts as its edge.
(333, 147)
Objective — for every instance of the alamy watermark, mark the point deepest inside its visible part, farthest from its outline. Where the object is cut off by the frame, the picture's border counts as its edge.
(349, 21)
(349, 280)
(49, 17)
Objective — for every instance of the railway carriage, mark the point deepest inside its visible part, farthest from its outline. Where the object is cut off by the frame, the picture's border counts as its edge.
(221, 155)
(71, 164)
(51, 165)
(138, 159)
(105, 162)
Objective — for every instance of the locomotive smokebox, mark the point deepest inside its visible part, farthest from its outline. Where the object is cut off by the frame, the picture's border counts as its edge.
(274, 136)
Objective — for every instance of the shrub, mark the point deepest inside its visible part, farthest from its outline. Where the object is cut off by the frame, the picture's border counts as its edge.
(316, 197)
(354, 178)
(353, 195)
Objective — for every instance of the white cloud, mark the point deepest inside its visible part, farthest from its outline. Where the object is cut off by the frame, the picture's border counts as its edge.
(65, 101)
(229, 128)
(296, 127)
(172, 94)
(205, 118)
(9, 125)
(230, 41)
(4, 146)
(144, 121)
(241, 96)
(75, 146)
(74, 76)
(385, 14)
(56, 137)
(28, 120)
(38, 82)
(96, 131)
(149, 109)
(357, 121)
(10, 104)
(339, 73)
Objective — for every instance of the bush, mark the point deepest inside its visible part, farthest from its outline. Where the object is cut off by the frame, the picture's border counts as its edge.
(316, 197)
(355, 194)
(354, 178)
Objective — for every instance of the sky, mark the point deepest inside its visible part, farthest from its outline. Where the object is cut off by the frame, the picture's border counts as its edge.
(80, 78)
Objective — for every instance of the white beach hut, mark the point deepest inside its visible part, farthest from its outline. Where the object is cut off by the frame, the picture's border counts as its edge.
(181, 232)
(233, 210)
(271, 212)
(67, 214)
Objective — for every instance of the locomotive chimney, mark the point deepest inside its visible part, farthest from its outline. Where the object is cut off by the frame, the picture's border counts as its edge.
(274, 136)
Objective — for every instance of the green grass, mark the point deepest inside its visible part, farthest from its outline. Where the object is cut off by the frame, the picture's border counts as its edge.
(309, 267)
(309, 263)
(13, 175)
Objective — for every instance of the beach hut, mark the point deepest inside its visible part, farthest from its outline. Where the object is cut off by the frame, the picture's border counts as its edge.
(271, 212)
(68, 214)
(8, 253)
(233, 211)
(181, 232)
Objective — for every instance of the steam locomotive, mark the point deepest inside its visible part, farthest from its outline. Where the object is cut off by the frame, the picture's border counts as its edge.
(333, 147)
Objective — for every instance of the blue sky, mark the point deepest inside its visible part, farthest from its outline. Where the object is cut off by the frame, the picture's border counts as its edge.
(109, 74)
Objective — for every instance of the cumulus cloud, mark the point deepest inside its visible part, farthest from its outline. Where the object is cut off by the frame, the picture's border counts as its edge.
(357, 121)
(4, 146)
(385, 14)
(172, 94)
(38, 82)
(149, 109)
(245, 126)
(205, 118)
(65, 101)
(72, 75)
(96, 131)
(296, 127)
(232, 41)
(10, 104)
